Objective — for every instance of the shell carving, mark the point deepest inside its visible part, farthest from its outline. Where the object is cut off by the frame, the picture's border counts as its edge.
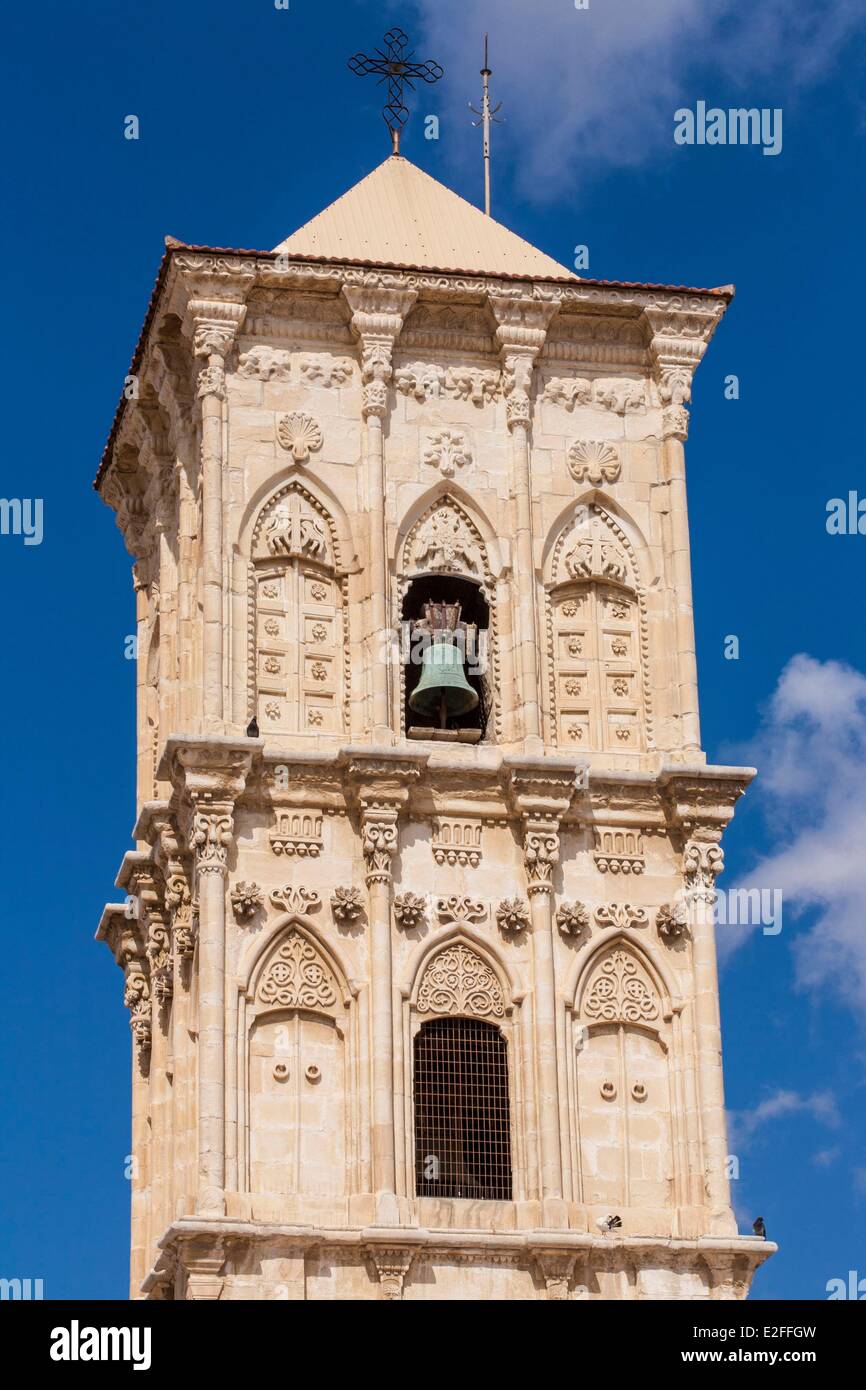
(300, 435)
(593, 461)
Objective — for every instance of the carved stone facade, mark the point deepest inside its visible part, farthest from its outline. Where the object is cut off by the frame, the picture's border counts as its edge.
(314, 445)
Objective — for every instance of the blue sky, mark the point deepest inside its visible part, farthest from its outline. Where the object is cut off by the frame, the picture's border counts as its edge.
(249, 124)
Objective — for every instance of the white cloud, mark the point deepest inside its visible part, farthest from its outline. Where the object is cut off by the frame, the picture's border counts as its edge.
(811, 755)
(743, 1125)
(584, 88)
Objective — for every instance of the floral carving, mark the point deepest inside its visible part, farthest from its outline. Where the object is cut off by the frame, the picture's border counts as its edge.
(330, 371)
(572, 919)
(315, 718)
(540, 853)
(297, 977)
(460, 909)
(424, 382)
(246, 899)
(379, 842)
(702, 864)
(618, 992)
(592, 461)
(319, 671)
(672, 921)
(447, 450)
(266, 364)
(319, 632)
(272, 709)
(512, 915)
(346, 905)
(409, 911)
(211, 837)
(458, 981)
(136, 997)
(300, 435)
(298, 901)
(319, 593)
(621, 916)
(272, 627)
(475, 384)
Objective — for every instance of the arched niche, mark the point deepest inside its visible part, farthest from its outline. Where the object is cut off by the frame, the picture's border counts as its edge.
(624, 1076)
(598, 693)
(298, 1085)
(298, 671)
(443, 554)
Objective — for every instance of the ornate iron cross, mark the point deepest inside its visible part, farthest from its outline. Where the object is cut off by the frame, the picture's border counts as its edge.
(396, 67)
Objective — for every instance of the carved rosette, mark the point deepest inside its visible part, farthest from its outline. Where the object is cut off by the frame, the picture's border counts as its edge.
(346, 906)
(379, 841)
(672, 920)
(447, 450)
(212, 830)
(572, 919)
(246, 899)
(410, 911)
(513, 915)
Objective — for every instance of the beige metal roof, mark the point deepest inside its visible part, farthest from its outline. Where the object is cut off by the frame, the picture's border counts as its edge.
(400, 216)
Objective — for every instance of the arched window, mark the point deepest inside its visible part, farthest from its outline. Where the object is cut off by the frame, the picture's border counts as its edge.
(298, 601)
(462, 1118)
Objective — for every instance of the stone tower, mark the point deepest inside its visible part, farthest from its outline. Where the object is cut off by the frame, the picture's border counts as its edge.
(418, 1011)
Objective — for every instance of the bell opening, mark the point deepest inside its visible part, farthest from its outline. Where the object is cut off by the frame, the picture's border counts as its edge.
(445, 622)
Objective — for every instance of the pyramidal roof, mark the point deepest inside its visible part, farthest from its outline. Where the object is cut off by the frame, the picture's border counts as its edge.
(399, 216)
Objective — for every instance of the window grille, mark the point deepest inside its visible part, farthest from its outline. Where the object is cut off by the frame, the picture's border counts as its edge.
(462, 1120)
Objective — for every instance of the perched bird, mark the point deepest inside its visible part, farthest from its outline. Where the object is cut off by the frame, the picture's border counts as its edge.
(253, 728)
(759, 1228)
(609, 1223)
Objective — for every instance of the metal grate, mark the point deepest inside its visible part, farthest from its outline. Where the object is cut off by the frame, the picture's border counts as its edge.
(462, 1120)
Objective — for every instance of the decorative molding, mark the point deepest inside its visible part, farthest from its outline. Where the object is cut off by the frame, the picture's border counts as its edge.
(618, 850)
(298, 901)
(463, 911)
(512, 915)
(298, 832)
(458, 981)
(619, 992)
(347, 906)
(300, 434)
(392, 1265)
(621, 916)
(622, 395)
(447, 450)
(457, 842)
(480, 385)
(410, 911)
(594, 461)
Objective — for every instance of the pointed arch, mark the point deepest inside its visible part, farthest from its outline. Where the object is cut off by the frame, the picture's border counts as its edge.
(322, 499)
(479, 985)
(442, 494)
(616, 517)
(585, 972)
(298, 666)
(266, 951)
(598, 690)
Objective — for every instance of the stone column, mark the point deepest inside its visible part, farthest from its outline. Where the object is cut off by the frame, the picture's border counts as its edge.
(678, 344)
(379, 831)
(214, 776)
(522, 329)
(541, 852)
(377, 321)
(214, 325)
(540, 793)
(703, 861)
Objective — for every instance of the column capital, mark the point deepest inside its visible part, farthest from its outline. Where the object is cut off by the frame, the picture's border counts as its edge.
(377, 321)
(379, 838)
(522, 324)
(213, 325)
(678, 343)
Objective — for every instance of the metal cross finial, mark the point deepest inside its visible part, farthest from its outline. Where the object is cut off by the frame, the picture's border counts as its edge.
(396, 67)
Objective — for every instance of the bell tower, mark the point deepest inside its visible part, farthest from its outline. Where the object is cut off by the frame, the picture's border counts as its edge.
(416, 932)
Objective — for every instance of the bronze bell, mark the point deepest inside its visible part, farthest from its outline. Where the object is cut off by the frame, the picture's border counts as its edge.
(443, 688)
